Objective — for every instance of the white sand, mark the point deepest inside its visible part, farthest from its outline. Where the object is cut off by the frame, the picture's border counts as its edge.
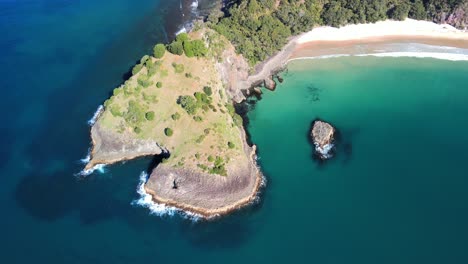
(409, 27)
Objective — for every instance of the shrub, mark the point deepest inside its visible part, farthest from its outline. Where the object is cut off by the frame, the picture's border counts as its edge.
(200, 139)
(179, 68)
(210, 158)
(182, 37)
(231, 145)
(199, 48)
(207, 90)
(144, 59)
(159, 84)
(137, 130)
(137, 69)
(197, 155)
(188, 103)
(152, 71)
(188, 49)
(197, 118)
(149, 116)
(135, 114)
(144, 81)
(202, 98)
(168, 131)
(176, 48)
(115, 110)
(159, 50)
(175, 116)
(188, 75)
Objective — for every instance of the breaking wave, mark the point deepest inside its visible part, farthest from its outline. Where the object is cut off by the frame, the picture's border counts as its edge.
(146, 200)
(101, 168)
(96, 115)
(434, 55)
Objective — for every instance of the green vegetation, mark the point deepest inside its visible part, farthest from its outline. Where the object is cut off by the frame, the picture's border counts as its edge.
(175, 116)
(192, 103)
(218, 167)
(137, 68)
(159, 50)
(178, 68)
(144, 81)
(259, 28)
(231, 145)
(188, 103)
(168, 132)
(192, 48)
(149, 115)
(207, 90)
(135, 114)
(176, 48)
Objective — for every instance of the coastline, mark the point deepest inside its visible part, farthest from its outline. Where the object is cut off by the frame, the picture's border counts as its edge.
(322, 41)
(359, 39)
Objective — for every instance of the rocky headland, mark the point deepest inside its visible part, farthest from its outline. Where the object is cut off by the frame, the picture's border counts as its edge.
(180, 107)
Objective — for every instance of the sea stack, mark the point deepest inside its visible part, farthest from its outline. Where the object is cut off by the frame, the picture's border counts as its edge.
(323, 138)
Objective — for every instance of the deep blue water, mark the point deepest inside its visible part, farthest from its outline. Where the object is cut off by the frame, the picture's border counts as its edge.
(61, 59)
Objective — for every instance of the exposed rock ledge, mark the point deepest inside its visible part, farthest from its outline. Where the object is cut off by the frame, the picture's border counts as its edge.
(204, 194)
(109, 147)
(200, 193)
(323, 138)
(235, 70)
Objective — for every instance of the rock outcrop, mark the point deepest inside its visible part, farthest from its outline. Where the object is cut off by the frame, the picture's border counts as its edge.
(323, 138)
(457, 17)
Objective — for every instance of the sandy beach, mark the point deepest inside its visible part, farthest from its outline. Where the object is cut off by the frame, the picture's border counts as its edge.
(374, 38)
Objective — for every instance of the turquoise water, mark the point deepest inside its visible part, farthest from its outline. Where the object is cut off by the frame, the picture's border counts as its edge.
(395, 193)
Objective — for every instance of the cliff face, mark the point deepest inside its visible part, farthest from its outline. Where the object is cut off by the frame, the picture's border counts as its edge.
(458, 17)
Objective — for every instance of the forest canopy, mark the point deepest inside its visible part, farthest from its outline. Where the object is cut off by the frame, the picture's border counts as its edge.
(259, 28)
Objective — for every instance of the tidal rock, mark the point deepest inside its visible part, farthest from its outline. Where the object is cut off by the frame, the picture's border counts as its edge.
(323, 138)
(270, 83)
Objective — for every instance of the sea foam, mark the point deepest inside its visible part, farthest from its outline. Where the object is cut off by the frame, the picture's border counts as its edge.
(96, 115)
(145, 200)
(434, 55)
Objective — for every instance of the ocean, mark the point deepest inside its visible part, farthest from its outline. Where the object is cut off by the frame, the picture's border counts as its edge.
(394, 193)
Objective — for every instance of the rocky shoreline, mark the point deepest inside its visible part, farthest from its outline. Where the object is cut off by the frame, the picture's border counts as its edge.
(108, 148)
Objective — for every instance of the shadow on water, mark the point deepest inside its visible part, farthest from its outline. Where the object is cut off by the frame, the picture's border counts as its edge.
(224, 233)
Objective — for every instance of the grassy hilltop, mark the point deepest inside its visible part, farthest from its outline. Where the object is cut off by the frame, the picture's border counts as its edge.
(177, 99)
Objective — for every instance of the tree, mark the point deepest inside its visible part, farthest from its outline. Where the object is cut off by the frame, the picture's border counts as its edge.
(176, 48)
(159, 50)
(417, 10)
(400, 12)
(199, 48)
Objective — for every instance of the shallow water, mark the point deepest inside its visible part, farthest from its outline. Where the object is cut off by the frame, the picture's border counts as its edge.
(396, 191)
(397, 194)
